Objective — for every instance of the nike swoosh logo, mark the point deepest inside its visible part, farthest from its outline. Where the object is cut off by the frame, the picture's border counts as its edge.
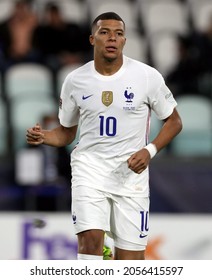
(142, 235)
(85, 97)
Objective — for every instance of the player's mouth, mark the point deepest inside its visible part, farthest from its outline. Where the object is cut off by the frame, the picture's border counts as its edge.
(111, 48)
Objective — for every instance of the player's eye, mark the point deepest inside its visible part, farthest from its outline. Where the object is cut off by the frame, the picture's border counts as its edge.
(103, 32)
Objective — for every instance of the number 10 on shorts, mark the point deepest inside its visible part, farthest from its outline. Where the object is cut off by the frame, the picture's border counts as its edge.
(144, 223)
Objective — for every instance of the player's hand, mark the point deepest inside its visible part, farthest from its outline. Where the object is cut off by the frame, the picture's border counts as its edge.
(34, 135)
(139, 161)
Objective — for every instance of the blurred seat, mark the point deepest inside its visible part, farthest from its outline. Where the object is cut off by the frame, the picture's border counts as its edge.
(3, 127)
(200, 11)
(6, 7)
(72, 10)
(155, 126)
(196, 137)
(63, 72)
(25, 113)
(71, 146)
(163, 15)
(28, 79)
(136, 47)
(124, 8)
(163, 48)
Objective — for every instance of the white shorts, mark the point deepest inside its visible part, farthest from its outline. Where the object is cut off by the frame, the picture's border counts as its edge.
(125, 219)
(108, 175)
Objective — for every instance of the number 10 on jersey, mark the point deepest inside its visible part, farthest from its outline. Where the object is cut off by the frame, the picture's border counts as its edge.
(108, 126)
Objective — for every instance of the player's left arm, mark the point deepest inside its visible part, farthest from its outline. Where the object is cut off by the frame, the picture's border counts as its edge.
(171, 127)
(139, 161)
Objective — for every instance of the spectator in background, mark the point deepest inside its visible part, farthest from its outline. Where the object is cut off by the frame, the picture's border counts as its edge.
(58, 42)
(183, 78)
(193, 72)
(203, 41)
(16, 35)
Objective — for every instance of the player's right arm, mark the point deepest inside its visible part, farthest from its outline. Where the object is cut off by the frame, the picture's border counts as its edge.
(57, 137)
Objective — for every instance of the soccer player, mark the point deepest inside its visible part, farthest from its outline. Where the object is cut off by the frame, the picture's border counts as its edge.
(112, 98)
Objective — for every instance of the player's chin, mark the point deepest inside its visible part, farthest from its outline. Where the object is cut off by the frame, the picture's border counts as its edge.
(111, 56)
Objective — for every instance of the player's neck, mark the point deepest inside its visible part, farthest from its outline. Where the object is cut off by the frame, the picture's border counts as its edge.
(108, 67)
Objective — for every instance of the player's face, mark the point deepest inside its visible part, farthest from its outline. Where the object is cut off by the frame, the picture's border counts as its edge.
(108, 39)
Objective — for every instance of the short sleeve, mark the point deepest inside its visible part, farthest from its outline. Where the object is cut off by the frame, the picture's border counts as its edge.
(68, 110)
(160, 97)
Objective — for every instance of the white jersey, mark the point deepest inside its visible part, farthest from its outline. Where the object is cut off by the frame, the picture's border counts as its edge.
(114, 112)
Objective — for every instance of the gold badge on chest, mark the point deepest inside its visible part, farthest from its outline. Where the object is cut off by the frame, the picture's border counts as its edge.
(107, 98)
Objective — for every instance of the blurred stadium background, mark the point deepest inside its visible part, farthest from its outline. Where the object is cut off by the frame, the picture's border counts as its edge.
(35, 182)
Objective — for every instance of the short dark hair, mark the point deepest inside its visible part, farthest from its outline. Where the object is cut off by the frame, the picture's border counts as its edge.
(105, 16)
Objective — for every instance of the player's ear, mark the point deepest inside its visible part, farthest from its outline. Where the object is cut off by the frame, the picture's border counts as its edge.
(91, 40)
